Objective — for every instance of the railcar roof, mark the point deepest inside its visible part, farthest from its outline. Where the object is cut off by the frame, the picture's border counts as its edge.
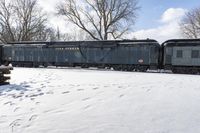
(84, 43)
(182, 42)
(125, 40)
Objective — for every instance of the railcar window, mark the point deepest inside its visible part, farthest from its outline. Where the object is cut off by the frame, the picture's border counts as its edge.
(195, 54)
(179, 54)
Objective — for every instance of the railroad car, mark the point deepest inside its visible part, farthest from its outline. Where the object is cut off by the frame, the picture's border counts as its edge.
(127, 55)
(182, 55)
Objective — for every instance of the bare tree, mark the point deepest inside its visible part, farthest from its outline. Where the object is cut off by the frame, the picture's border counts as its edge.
(21, 20)
(101, 19)
(46, 34)
(75, 35)
(190, 25)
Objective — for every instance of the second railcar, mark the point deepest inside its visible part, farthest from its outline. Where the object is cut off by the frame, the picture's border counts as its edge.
(182, 55)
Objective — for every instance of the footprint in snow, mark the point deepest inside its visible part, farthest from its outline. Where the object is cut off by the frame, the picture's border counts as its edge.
(59, 111)
(33, 117)
(35, 95)
(122, 95)
(80, 89)
(43, 86)
(32, 99)
(16, 109)
(50, 92)
(37, 103)
(22, 92)
(9, 102)
(32, 109)
(47, 111)
(15, 123)
(96, 88)
(148, 90)
(85, 99)
(17, 96)
(66, 92)
(26, 86)
(86, 107)
(39, 90)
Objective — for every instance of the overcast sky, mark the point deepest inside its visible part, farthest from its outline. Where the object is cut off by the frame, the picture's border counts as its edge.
(157, 19)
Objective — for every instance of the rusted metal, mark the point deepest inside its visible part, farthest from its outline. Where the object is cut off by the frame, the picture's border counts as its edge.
(4, 71)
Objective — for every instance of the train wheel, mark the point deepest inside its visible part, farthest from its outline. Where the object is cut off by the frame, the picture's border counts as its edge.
(143, 69)
(84, 66)
(194, 71)
(45, 65)
(124, 68)
(174, 70)
(116, 67)
(130, 68)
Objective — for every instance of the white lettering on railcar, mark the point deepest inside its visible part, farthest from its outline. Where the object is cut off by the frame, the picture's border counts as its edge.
(141, 61)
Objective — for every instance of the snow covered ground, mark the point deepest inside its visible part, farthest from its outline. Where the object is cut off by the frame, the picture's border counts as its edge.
(94, 101)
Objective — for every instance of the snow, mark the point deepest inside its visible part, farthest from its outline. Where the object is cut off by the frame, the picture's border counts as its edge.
(99, 101)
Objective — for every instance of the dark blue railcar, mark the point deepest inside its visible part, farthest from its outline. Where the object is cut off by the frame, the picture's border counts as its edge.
(120, 55)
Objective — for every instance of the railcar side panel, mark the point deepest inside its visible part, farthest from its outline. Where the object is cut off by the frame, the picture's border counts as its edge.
(188, 57)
